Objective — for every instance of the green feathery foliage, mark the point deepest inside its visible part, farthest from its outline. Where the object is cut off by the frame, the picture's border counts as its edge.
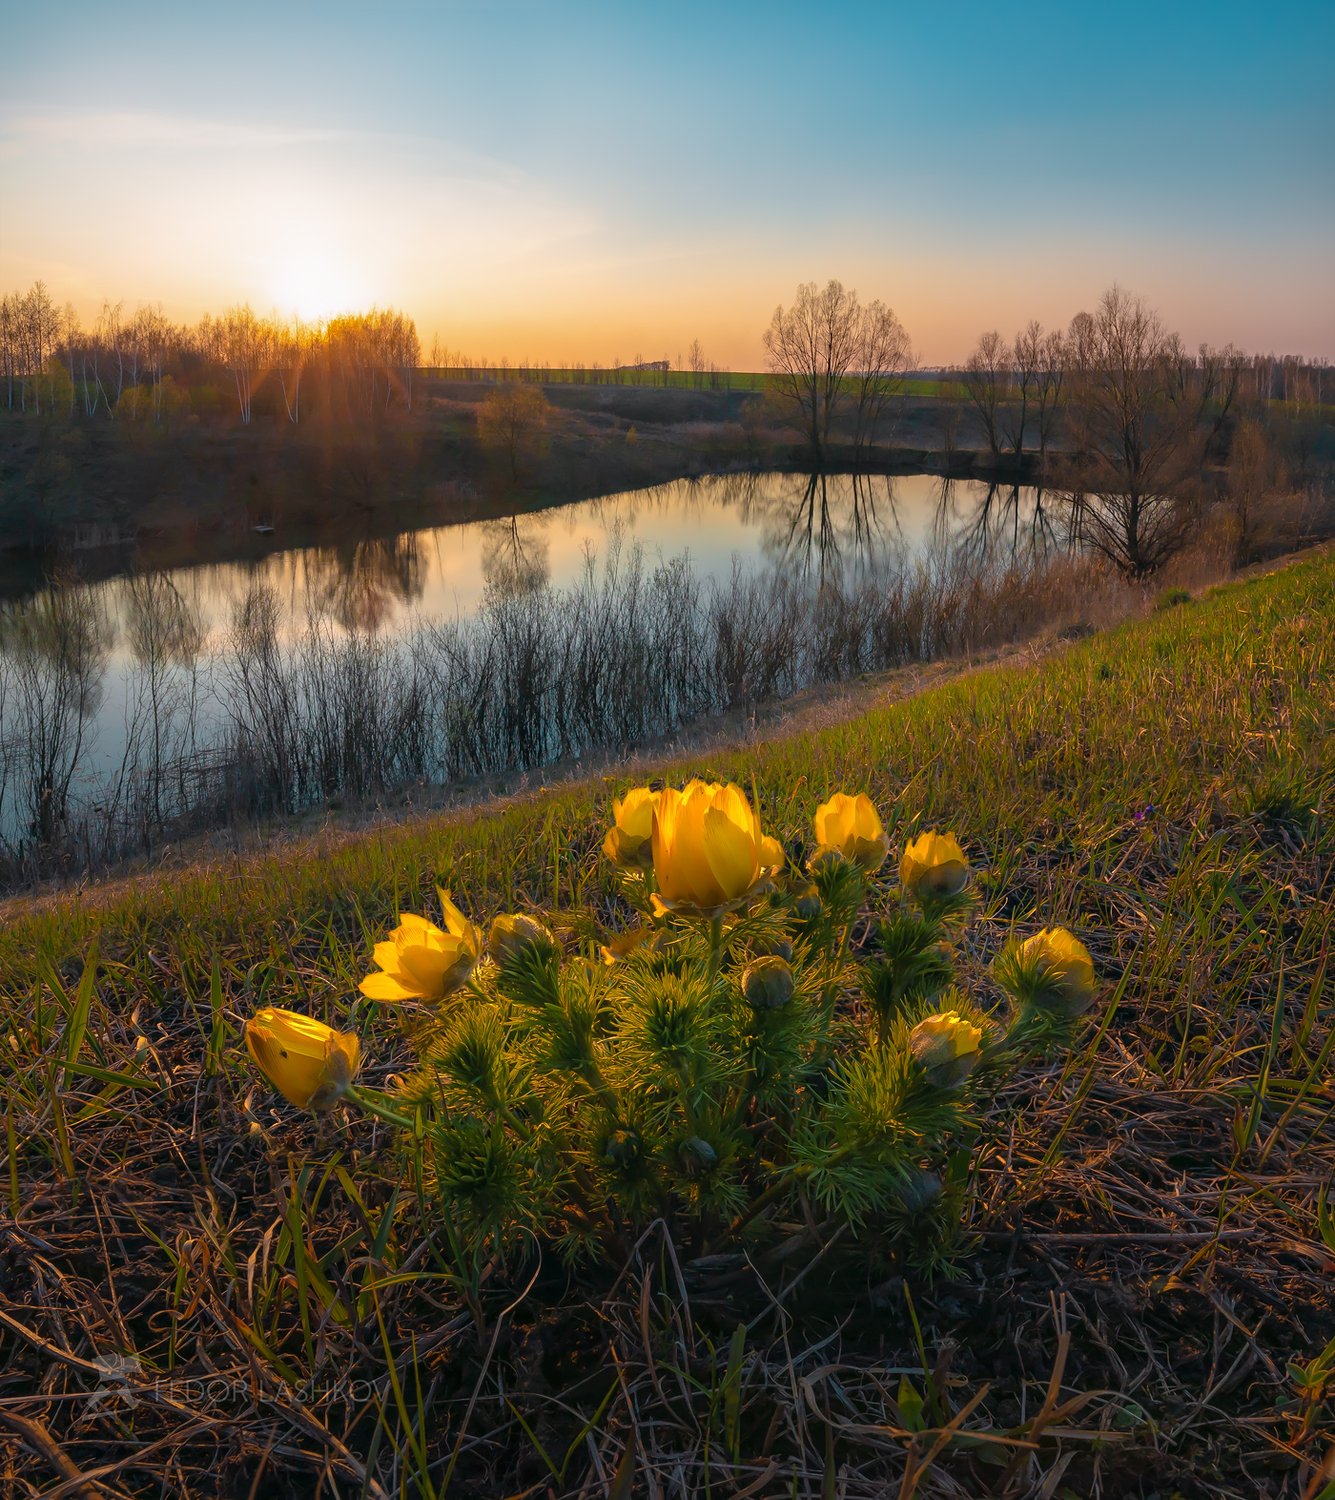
(733, 1074)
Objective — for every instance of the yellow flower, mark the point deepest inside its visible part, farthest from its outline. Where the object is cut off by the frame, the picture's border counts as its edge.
(513, 933)
(947, 1046)
(629, 842)
(421, 961)
(934, 865)
(622, 944)
(851, 827)
(1064, 964)
(709, 853)
(309, 1063)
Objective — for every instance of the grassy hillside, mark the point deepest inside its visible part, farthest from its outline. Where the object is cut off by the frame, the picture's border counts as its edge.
(1144, 1307)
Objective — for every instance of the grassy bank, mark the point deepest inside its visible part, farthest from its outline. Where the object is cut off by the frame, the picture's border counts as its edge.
(1143, 1307)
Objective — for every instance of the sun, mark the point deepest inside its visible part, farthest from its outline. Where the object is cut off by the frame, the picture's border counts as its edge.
(312, 281)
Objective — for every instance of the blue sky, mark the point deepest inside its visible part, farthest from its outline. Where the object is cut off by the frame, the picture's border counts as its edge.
(594, 180)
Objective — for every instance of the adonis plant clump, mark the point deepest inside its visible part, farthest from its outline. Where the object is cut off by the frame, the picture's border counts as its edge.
(772, 1046)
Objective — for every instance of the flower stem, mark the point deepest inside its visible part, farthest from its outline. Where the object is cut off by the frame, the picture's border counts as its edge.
(715, 943)
(374, 1104)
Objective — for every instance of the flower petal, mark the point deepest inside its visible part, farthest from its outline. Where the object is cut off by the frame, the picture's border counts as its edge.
(410, 922)
(388, 987)
(387, 956)
(731, 853)
(427, 967)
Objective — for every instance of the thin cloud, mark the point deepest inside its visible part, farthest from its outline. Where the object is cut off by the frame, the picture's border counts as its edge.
(100, 129)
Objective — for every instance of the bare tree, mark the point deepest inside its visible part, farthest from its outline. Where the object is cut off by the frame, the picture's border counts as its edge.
(407, 351)
(9, 345)
(813, 347)
(109, 342)
(985, 377)
(884, 357)
(293, 345)
(1253, 471)
(165, 635)
(1049, 388)
(71, 335)
(58, 648)
(696, 357)
(1027, 359)
(1142, 403)
(244, 351)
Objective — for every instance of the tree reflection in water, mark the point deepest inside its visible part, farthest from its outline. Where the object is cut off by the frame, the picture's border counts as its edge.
(834, 528)
(53, 654)
(361, 584)
(165, 635)
(514, 555)
(1005, 525)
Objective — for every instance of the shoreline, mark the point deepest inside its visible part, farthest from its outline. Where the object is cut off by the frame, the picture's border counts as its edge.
(820, 705)
(225, 513)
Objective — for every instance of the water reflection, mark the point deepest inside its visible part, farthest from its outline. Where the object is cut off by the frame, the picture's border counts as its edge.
(1005, 523)
(165, 635)
(515, 555)
(828, 528)
(162, 629)
(53, 657)
(136, 650)
(363, 585)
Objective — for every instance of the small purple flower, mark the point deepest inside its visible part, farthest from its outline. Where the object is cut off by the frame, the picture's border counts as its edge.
(1142, 813)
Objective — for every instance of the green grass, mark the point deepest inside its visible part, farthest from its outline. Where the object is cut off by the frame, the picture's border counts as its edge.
(1146, 1305)
(682, 380)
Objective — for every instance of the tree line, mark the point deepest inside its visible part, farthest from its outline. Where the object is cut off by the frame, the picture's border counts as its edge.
(1115, 406)
(143, 366)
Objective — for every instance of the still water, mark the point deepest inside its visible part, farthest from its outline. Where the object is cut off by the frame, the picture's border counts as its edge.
(837, 529)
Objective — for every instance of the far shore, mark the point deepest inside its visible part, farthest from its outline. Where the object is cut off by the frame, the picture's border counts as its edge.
(99, 499)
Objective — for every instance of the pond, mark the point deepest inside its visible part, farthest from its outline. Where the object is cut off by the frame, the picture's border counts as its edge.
(143, 668)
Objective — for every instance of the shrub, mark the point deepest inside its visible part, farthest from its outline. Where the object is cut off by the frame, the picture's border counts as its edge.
(513, 421)
(1172, 598)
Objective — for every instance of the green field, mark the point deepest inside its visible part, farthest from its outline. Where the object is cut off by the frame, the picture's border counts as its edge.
(681, 380)
(1143, 1305)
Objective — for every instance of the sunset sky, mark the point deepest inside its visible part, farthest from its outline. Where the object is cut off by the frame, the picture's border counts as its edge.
(580, 181)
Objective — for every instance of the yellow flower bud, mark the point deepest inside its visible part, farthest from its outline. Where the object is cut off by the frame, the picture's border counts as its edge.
(767, 983)
(947, 1047)
(852, 827)
(807, 903)
(1064, 965)
(309, 1063)
(934, 865)
(623, 1149)
(512, 933)
(421, 961)
(710, 856)
(773, 947)
(629, 842)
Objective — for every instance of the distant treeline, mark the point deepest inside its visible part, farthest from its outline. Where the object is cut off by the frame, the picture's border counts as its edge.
(144, 367)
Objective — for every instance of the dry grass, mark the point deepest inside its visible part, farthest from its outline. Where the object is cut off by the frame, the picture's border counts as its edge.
(201, 1294)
